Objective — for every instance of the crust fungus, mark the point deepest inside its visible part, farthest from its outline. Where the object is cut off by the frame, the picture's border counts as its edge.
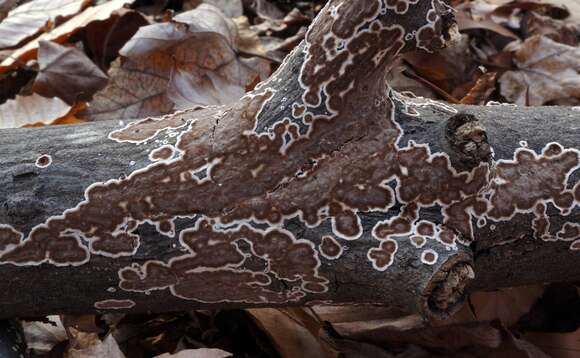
(8, 237)
(43, 161)
(329, 248)
(429, 257)
(162, 153)
(316, 132)
(113, 304)
(216, 269)
(383, 256)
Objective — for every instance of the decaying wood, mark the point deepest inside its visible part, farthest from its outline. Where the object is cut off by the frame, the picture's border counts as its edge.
(322, 185)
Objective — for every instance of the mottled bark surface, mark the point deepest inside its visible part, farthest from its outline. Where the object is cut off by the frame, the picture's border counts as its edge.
(322, 185)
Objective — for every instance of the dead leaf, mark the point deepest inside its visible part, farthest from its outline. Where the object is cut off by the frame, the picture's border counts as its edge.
(546, 71)
(104, 39)
(557, 345)
(466, 23)
(506, 305)
(88, 345)
(292, 333)
(136, 89)
(198, 353)
(28, 110)
(34, 16)
(67, 73)
(190, 61)
(43, 336)
(61, 33)
(248, 40)
(6, 6)
(482, 89)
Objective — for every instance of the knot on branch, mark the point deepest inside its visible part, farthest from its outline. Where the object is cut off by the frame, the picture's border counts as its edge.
(446, 291)
(468, 140)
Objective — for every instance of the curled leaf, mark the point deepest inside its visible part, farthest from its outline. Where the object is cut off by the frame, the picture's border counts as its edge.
(34, 16)
(67, 73)
(546, 71)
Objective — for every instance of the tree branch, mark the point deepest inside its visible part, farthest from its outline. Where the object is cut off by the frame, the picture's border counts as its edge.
(322, 185)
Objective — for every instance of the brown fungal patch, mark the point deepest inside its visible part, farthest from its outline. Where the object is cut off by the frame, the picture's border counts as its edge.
(569, 232)
(575, 246)
(162, 153)
(345, 222)
(426, 179)
(383, 256)
(145, 129)
(330, 248)
(43, 161)
(429, 257)
(62, 250)
(418, 241)
(439, 20)
(541, 222)
(113, 304)
(400, 6)
(9, 237)
(446, 236)
(520, 184)
(426, 228)
(398, 225)
(458, 216)
(216, 270)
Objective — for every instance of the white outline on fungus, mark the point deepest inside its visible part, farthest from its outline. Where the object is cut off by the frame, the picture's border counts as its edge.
(42, 158)
(333, 242)
(427, 252)
(114, 304)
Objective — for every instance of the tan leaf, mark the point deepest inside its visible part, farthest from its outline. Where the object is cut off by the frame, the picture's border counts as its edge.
(61, 33)
(557, 345)
(291, 333)
(89, 345)
(482, 89)
(67, 73)
(506, 305)
(41, 337)
(32, 17)
(198, 353)
(190, 61)
(547, 71)
(28, 110)
(136, 89)
(104, 39)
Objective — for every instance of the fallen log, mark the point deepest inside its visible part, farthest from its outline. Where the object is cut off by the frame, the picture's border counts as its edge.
(320, 186)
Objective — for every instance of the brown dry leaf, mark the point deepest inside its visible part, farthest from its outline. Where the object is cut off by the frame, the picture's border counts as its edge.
(547, 71)
(34, 16)
(482, 89)
(88, 345)
(506, 305)
(198, 353)
(343, 314)
(248, 40)
(293, 333)
(104, 39)
(137, 89)
(67, 73)
(557, 345)
(464, 22)
(294, 19)
(61, 33)
(187, 62)
(28, 110)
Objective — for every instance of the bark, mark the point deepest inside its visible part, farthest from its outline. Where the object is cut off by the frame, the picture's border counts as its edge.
(322, 185)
